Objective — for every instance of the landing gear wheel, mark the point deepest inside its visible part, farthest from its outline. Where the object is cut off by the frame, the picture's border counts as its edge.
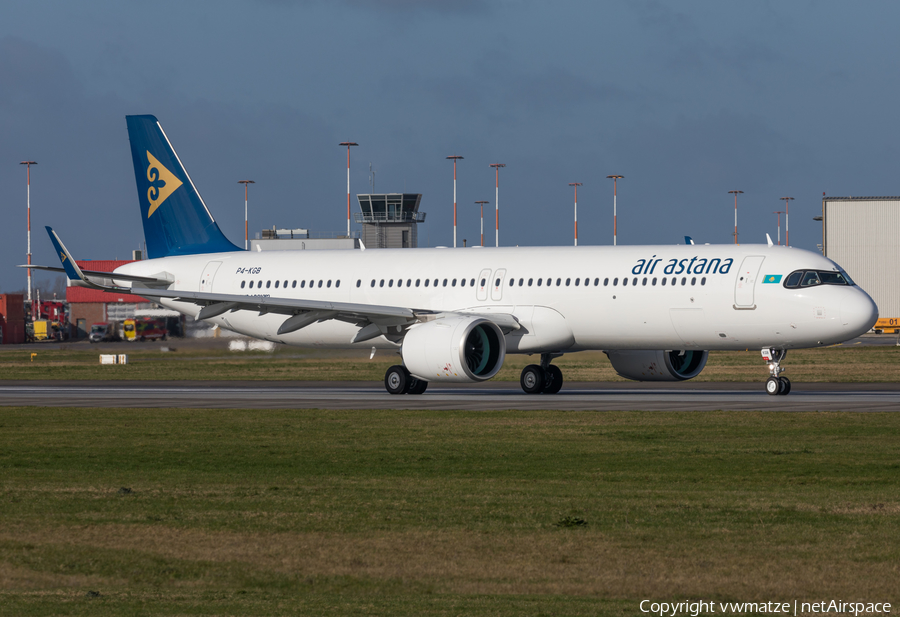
(785, 386)
(397, 380)
(774, 386)
(553, 379)
(417, 386)
(532, 380)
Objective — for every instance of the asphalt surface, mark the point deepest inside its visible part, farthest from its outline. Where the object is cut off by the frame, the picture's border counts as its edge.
(490, 396)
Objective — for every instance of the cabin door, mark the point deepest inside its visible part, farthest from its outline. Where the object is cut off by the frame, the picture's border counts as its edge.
(745, 283)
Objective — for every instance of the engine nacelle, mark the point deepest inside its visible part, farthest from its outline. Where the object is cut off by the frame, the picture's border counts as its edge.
(658, 365)
(460, 349)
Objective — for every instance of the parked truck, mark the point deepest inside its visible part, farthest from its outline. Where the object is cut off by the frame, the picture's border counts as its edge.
(104, 332)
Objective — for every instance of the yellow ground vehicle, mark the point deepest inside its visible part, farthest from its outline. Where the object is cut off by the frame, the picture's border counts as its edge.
(46, 330)
(144, 328)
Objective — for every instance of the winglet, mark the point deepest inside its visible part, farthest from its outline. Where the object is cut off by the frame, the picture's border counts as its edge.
(769, 240)
(72, 270)
(688, 240)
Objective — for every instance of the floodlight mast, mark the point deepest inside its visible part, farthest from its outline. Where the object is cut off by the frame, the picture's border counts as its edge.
(615, 179)
(576, 185)
(735, 193)
(246, 219)
(455, 158)
(779, 213)
(348, 144)
(28, 165)
(481, 203)
(497, 167)
(787, 222)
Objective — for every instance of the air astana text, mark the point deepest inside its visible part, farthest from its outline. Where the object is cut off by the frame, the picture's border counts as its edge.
(693, 265)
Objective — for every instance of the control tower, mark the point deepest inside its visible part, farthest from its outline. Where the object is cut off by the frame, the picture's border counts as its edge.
(390, 220)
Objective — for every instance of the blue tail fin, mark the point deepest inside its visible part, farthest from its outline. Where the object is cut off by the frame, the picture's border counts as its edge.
(176, 221)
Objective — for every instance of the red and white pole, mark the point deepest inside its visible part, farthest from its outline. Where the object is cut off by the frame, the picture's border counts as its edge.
(576, 185)
(481, 203)
(735, 193)
(246, 219)
(455, 158)
(497, 167)
(28, 165)
(787, 223)
(615, 179)
(348, 144)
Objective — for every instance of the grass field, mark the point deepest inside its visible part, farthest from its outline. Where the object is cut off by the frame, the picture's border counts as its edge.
(226, 512)
(147, 362)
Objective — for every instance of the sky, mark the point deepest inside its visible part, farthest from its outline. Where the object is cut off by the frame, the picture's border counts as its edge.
(687, 100)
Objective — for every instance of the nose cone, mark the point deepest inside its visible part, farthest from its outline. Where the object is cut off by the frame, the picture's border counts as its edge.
(858, 312)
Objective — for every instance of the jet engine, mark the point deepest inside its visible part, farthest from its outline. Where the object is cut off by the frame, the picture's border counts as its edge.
(454, 349)
(658, 365)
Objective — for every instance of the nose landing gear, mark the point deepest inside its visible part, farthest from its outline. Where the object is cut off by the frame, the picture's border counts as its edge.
(544, 378)
(776, 384)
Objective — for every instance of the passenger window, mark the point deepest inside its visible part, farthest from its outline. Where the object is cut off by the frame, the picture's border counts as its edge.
(567, 282)
(539, 282)
(453, 283)
(409, 282)
(483, 282)
(462, 282)
(373, 283)
(664, 282)
(302, 284)
(312, 284)
(381, 284)
(426, 282)
(390, 282)
(258, 284)
(418, 281)
(684, 280)
(497, 283)
(634, 282)
(435, 282)
(624, 282)
(644, 282)
(693, 280)
(529, 282)
(320, 283)
(268, 284)
(654, 281)
(597, 282)
(703, 281)
(674, 280)
(337, 283)
(358, 282)
(577, 281)
(605, 282)
(512, 282)
(616, 282)
(243, 283)
(558, 282)
(329, 282)
(294, 285)
(472, 282)
(810, 278)
(285, 284)
(445, 282)
(276, 284)
(521, 281)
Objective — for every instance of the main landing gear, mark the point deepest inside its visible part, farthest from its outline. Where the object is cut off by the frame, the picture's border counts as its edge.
(776, 384)
(397, 380)
(544, 378)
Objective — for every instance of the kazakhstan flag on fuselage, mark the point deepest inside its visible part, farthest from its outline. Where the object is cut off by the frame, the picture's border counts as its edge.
(772, 278)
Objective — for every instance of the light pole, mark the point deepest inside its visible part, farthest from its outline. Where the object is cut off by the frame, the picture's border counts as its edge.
(481, 203)
(735, 193)
(787, 222)
(455, 158)
(348, 144)
(497, 167)
(615, 179)
(576, 185)
(28, 165)
(246, 221)
(779, 213)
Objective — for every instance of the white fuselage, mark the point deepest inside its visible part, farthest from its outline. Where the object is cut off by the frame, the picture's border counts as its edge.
(712, 298)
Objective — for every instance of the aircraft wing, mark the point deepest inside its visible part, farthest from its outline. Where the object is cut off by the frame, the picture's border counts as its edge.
(374, 320)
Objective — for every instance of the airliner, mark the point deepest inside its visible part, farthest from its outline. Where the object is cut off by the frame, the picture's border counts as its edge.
(452, 315)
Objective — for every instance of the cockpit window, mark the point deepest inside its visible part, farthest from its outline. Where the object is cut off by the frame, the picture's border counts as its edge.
(811, 278)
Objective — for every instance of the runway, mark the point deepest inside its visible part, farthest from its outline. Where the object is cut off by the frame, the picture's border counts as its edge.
(490, 396)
